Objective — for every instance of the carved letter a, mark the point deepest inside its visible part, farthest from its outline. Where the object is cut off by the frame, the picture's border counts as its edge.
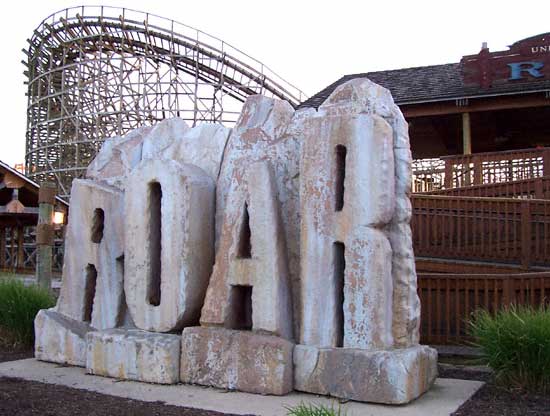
(250, 277)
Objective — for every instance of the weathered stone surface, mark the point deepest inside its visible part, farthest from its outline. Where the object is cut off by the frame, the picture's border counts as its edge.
(117, 157)
(202, 146)
(260, 136)
(347, 159)
(169, 236)
(134, 355)
(257, 229)
(392, 376)
(237, 360)
(406, 304)
(162, 136)
(92, 288)
(361, 96)
(59, 339)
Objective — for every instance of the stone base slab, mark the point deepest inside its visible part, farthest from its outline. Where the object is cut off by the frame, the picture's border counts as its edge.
(59, 339)
(134, 355)
(391, 377)
(237, 360)
(443, 399)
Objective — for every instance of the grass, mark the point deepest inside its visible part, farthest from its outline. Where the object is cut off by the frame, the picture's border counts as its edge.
(19, 304)
(515, 343)
(314, 410)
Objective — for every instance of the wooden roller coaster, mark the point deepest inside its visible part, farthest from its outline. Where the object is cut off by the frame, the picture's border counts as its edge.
(96, 71)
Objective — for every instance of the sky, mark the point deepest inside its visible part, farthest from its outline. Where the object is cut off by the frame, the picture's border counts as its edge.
(308, 43)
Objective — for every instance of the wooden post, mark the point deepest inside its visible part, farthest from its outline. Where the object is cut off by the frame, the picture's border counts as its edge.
(12, 249)
(546, 162)
(525, 234)
(509, 290)
(2, 247)
(44, 235)
(20, 247)
(539, 192)
(448, 174)
(466, 134)
(478, 170)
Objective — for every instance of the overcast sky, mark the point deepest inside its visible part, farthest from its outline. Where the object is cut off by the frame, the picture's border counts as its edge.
(308, 43)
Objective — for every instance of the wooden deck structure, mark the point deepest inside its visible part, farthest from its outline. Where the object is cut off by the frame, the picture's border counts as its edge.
(448, 300)
(465, 173)
(486, 234)
(18, 219)
(500, 230)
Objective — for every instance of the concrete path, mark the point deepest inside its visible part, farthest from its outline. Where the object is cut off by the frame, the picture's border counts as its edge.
(443, 399)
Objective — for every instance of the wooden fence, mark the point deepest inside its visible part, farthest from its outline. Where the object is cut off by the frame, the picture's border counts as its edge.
(448, 300)
(479, 168)
(501, 230)
(535, 188)
(18, 250)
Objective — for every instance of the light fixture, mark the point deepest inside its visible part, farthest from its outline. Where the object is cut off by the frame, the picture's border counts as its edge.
(58, 217)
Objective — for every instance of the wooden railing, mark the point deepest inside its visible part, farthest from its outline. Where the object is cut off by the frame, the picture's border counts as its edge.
(480, 168)
(448, 300)
(18, 250)
(502, 230)
(428, 174)
(495, 167)
(537, 188)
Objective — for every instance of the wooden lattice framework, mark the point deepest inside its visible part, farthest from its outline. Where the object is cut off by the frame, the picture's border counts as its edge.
(96, 71)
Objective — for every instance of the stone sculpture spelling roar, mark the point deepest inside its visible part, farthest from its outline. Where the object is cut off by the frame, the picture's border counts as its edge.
(269, 257)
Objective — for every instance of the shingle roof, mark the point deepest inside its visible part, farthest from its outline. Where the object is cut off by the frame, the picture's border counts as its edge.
(428, 83)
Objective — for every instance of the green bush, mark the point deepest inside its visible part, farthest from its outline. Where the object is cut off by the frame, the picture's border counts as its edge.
(314, 410)
(515, 343)
(19, 304)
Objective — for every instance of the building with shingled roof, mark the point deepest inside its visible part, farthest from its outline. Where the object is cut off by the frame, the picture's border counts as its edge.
(487, 102)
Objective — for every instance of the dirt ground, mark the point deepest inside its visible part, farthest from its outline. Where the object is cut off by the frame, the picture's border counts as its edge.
(6, 355)
(491, 400)
(25, 398)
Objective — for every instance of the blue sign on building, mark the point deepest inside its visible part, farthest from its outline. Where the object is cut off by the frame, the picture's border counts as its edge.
(519, 69)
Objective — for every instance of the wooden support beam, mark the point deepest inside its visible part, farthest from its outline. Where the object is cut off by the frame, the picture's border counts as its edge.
(20, 245)
(475, 105)
(44, 235)
(12, 248)
(526, 245)
(546, 163)
(466, 134)
(2, 247)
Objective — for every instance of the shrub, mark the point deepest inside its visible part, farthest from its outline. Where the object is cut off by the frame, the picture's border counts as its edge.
(19, 304)
(515, 343)
(314, 410)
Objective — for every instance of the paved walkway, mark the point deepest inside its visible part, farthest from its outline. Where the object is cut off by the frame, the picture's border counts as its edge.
(443, 399)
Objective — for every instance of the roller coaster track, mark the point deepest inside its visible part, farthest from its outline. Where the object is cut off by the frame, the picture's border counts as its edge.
(97, 71)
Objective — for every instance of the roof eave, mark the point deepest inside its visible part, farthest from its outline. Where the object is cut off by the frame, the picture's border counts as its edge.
(29, 181)
(463, 97)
